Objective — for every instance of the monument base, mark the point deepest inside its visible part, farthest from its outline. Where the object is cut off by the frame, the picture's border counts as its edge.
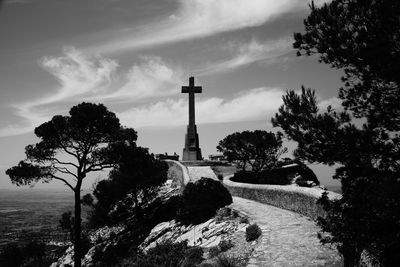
(192, 150)
(191, 154)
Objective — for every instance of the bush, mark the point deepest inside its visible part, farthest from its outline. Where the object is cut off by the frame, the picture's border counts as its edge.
(138, 175)
(32, 254)
(279, 175)
(225, 213)
(275, 176)
(228, 261)
(214, 251)
(201, 200)
(168, 254)
(11, 255)
(225, 245)
(253, 232)
(301, 169)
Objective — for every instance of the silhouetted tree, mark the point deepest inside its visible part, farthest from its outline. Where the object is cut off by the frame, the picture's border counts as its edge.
(138, 174)
(363, 39)
(67, 224)
(259, 149)
(70, 147)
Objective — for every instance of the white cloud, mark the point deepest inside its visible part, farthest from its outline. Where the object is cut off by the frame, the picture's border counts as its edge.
(334, 102)
(247, 53)
(16, 1)
(200, 18)
(78, 75)
(86, 78)
(151, 78)
(254, 104)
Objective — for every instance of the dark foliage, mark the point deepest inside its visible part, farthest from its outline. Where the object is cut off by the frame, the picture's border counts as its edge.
(132, 183)
(258, 149)
(275, 176)
(32, 254)
(225, 245)
(301, 169)
(67, 224)
(87, 140)
(168, 254)
(369, 222)
(137, 229)
(253, 232)
(201, 200)
(362, 38)
(12, 256)
(229, 261)
(214, 251)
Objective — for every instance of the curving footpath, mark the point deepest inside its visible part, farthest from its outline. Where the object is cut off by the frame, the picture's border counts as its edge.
(288, 238)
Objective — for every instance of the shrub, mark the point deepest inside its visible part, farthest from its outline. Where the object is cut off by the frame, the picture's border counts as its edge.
(223, 213)
(214, 251)
(304, 183)
(169, 254)
(132, 184)
(201, 200)
(279, 175)
(31, 254)
(228, 261)
(11, 255)
(253, 232)
(302, 169)
(244, 220)
(225, 245)
(274, 176)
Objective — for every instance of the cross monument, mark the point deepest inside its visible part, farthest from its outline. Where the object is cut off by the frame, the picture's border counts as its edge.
(192, 150)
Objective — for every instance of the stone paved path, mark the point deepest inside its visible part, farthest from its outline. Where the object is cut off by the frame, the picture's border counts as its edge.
(197, 172)
(288, 238)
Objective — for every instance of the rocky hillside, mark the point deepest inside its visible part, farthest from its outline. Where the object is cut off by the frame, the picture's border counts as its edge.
(219, 238)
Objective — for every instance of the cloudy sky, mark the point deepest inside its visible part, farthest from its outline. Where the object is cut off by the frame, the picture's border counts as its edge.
(134, 56)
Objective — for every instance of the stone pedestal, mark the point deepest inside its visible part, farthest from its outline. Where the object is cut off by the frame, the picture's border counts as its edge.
(192, 150)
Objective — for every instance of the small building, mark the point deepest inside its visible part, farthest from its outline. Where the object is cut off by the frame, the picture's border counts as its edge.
(217, 157)
(166, 156)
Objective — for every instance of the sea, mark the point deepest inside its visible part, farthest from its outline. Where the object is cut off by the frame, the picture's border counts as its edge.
(33, 214)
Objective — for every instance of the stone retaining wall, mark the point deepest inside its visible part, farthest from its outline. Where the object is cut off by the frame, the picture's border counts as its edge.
(298, 199)
(178, 173)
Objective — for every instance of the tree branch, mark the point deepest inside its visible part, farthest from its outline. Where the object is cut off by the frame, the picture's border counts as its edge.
(65, 171)
(98, 167)
(63, 163)
(63, 180)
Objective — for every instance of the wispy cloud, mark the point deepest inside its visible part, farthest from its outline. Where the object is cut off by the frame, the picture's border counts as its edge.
(151, 78)
(86, 78)
(78, 75)
(200, 18)
(252, 104)
(17, 1)
(243, 54)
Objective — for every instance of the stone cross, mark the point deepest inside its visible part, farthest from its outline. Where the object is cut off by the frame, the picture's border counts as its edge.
(191, 90)
(192, 150)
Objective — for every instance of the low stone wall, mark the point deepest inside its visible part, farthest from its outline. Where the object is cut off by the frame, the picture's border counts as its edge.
(178, 173)
(301, 200)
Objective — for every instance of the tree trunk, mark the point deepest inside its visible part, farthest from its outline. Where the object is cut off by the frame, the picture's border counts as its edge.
(351, 259)
(77, 226)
